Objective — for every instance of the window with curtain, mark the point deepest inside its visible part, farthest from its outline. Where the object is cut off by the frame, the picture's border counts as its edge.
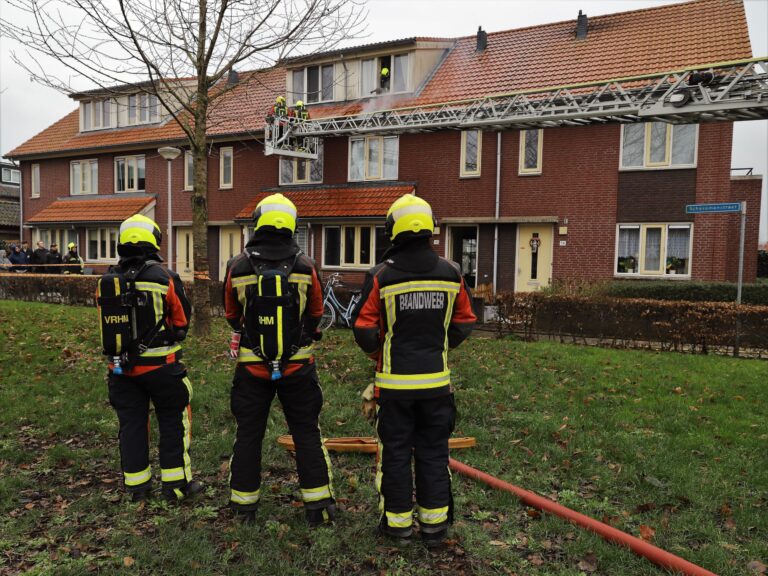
(373, 158)
(653, 249)
(352, 245)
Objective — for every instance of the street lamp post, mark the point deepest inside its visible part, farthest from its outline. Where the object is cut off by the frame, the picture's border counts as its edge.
(170, 154)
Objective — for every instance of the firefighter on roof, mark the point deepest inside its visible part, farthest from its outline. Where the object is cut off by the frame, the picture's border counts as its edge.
(273, 301)
(144, 316)
(414, 306)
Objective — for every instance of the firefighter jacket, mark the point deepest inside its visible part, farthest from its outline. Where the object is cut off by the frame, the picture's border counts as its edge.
(75, 261)
(167, 314)
(305, 289)
(414, 307)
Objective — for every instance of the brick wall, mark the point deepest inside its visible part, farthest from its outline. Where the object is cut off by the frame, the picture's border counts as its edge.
(656, 195)
(580, 185)
(746, 188)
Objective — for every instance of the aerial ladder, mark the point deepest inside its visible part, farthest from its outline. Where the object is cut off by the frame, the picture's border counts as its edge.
(725, 91)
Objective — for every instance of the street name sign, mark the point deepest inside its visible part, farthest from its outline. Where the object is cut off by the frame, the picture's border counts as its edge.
(715, 208)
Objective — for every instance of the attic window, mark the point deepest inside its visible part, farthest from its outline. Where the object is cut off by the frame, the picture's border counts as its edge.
(313, 84)
(384, 75)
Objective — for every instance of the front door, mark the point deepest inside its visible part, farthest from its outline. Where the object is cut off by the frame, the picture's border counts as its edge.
(534, 257)
(463, 250)
(229, 246)
(185, 264)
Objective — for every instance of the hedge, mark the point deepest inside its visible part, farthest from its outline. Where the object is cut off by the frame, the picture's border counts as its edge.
(756, 294)
(681, 326)
(74, 289)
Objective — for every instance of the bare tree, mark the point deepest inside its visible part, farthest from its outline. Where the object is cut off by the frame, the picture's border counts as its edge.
(184, 52)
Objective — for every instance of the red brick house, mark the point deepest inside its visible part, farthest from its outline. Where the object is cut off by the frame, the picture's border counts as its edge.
(518, 206)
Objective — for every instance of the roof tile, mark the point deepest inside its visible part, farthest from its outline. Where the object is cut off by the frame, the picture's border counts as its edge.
(625, 44)
(107, 209)
(355, 202)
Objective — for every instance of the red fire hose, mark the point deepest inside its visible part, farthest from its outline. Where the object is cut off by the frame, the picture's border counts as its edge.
(638, 546)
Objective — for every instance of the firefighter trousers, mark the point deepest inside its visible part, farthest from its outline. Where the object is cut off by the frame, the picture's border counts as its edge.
(302, 399)
(414, 430)
(170, 391)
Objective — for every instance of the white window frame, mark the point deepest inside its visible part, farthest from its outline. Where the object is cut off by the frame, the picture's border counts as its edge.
(79, 165)
(12, 175)
(304, 94)
(366, 140)
(377, 77)
(58, 236)
(223, 152)
(667, 164)
(98, 118)
(661, 272)
(99, 257)
(189, 165)
(356, 264)
(295, 169)
(128, 159)
(34, 181)
(463, 172)
(522, 170)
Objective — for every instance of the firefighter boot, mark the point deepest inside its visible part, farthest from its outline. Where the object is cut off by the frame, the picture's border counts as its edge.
(321, 516)
(397, 536)
(433, 537)
(141, 495)
(176, 495)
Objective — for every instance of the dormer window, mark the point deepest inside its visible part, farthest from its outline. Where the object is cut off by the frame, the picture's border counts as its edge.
(384, 75)
(143, 109)
(96, 114)
(313, 84)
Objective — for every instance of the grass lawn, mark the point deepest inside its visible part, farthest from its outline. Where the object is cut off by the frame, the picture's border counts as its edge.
(673, 446)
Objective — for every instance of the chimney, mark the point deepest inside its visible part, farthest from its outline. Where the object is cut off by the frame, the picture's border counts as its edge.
(232, 77)
(581, 26)
(482, 39)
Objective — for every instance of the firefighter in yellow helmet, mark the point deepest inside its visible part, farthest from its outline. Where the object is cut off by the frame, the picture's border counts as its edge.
(273, 301)
(144, 315)
(414, 306)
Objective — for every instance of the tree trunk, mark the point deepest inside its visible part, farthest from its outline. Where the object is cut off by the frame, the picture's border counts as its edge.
(201, 294)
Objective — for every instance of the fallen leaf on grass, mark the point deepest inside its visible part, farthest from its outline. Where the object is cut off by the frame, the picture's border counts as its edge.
(757, 567)
(588, 563)
(535, 559)
(128, 561)
(647, 533)
(498, 543)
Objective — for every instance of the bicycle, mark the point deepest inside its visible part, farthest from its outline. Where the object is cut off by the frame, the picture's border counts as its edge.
(333, 308)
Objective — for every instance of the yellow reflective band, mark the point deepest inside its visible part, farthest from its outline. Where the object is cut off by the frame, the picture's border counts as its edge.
(400, 519)
(261, 336)
(315, 494)
(248, 355)
(297, 278)
(391, 317)
(432, 515)
(244, 280)
(188, 384)
(413, 381)
(138, 478)
(172, 474)
(160, 351)
(239, 497)
(186, 440)
(419, 286)
(152, 287)
(279, 290)
(117, 286)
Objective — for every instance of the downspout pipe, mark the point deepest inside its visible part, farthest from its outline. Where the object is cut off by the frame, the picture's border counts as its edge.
(496, 213)
(21, 204)
(640, 547)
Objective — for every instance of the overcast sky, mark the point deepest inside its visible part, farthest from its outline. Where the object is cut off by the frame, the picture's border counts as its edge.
(27, 108)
